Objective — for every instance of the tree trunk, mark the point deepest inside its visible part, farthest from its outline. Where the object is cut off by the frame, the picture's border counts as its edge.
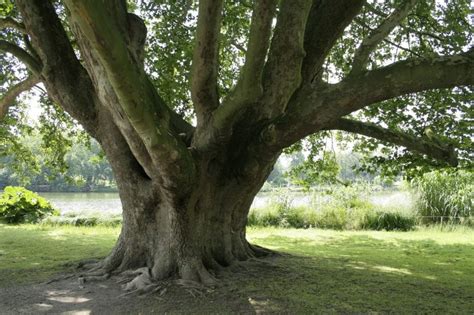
(188, 237)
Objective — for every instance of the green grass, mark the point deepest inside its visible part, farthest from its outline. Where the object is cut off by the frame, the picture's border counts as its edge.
(30, 253)
(424, 271)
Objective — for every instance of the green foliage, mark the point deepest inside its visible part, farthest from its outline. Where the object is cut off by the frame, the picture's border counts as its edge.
(445, 196)
(19, 205)
(433, 28)
(84, 168)
(342, 208)
(323, 169)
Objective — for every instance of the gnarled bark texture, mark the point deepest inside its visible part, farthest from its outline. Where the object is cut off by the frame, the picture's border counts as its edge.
(186, 190)
(203, 231)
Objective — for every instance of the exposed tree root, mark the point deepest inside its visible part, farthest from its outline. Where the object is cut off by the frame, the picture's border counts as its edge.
(140, 279)
(60, 278)
(195, 289)
(83, 279)
(83, 264)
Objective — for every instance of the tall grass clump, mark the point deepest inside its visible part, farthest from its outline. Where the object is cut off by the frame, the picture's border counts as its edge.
(281, 213)
(389, 221)
(445, 197)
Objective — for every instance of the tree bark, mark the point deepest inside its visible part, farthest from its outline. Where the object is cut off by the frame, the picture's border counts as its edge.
(189, 237)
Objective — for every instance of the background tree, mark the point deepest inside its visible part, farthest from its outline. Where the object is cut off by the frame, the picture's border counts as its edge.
(249, 91)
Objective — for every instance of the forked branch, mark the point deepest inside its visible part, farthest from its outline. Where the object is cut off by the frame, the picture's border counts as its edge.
(72, 88)
(249, 87)
(9, 97)
(422, 145)
(368, 45)
(143, 107)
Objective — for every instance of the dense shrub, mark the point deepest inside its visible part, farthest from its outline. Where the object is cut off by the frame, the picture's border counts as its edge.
(444, 196)
(19, 205)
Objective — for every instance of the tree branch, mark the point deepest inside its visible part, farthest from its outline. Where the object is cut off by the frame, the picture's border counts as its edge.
(361, 56)
(326, 23)
(404, 77)
(205, 59)
(9, 98)
(145, 110)
(421, 145)
(249, 87)
(282, 73)
(318, 108)
(250, 82)
(9, 22)
(413, 53)
(32, 64)
(376, 11)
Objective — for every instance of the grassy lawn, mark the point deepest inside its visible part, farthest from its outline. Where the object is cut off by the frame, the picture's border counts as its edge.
(32, 253)
(425, 271)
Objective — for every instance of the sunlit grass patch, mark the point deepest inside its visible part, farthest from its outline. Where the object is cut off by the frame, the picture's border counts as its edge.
(34, 252)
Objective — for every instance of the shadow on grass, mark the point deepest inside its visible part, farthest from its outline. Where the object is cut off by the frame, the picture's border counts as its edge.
(341, 273)
(364, 274)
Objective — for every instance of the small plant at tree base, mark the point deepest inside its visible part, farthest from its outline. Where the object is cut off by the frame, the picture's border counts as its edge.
(20, 205)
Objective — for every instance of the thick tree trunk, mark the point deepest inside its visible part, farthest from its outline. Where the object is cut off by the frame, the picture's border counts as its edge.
(190, 237)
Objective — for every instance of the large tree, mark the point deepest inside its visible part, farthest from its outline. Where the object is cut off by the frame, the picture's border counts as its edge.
(193, 120)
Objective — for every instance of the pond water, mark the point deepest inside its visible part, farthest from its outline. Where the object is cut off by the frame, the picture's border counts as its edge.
(107, 204)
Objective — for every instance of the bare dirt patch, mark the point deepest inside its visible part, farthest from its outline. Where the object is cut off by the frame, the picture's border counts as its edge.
(70, 296)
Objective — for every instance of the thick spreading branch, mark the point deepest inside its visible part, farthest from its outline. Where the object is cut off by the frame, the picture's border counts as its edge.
(282, 73)
(9, 98)
(145, 110)
(369, 44)
(31, 62)
(66, 81)
(315, 109)
(422, 145)
(326, 23)
(404, 77)
(9, 22)
(205, 59)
